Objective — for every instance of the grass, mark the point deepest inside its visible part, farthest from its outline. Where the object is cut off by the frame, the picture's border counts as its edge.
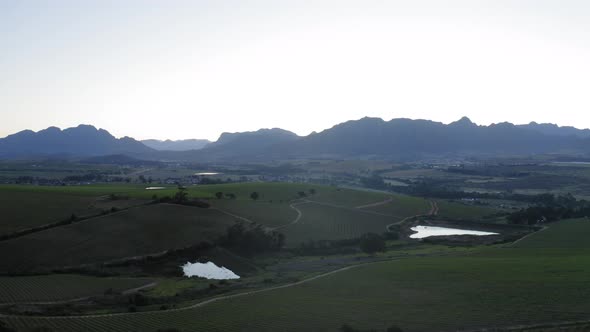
(321, 222)
(482, 288)
(27, 209)
(138, 231)
(61, 287)
(403, 206)
(456, 210)
(348, 197)
(573, 233)
(270, 214)
(417, 294)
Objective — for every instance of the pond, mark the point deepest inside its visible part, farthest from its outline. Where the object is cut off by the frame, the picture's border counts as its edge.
(426, 231)
(155, 188)
(206, 173)
(208, 270)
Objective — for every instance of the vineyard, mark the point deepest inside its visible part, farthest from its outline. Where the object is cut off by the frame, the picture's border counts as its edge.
(138, 231)
(485, 288)
(50, 288)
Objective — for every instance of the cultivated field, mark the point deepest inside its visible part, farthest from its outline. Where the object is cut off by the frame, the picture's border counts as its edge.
(135, 232)
(61, 287)
(484, 289)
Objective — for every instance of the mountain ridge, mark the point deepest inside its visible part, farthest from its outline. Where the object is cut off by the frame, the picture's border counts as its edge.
(368, 137)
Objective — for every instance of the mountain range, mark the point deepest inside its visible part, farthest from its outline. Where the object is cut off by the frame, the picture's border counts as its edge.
(84, 140)
(397, 139)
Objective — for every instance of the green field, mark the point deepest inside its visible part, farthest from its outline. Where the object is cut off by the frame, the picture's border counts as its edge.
(542, 278)
(61, 287)
(497, 287)
(455, 210)
(321, 222)
(273, 214)
(564, 234)
(138, 231)
(403, 206)
(22, 210)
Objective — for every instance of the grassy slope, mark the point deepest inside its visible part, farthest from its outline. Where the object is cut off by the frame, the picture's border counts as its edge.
(22, 210)
(403, 206)
(564, 234)
(491, 287)
(456, 210)
(61, 287)
(320, 222)
(138, 231)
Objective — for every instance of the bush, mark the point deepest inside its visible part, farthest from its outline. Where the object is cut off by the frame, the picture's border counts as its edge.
(252, 238)
(372, 243)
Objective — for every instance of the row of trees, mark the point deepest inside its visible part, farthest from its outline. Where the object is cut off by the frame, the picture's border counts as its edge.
(255, 195)
(549, 208)
(251, 238)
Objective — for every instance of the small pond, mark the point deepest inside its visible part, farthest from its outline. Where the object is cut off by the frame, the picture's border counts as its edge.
(155, 188)
(208, 270)
(426, 231)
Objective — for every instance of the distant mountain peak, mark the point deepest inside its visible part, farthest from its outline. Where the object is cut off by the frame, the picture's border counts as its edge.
(464, 121)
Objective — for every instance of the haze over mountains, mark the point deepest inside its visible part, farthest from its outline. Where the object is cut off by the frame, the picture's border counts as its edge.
(401, 139)
(179, 145)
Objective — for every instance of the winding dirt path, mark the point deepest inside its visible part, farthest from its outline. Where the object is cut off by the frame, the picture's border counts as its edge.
(233, 215)
(299, 214)
(526, 236)
(78, 299)
(433, 212)
(389, 200)
(219, 298)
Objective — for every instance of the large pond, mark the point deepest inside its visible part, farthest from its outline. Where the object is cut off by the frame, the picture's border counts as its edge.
(426, 231)
(155, 188)
(207, 173)
(208, 270)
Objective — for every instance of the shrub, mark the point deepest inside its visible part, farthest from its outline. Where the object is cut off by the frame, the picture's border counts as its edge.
(372, 243)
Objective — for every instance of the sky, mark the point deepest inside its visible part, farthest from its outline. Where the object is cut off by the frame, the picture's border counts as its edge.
(194, 69)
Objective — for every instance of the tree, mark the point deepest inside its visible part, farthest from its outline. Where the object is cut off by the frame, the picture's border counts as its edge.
(372, 243)
(181, 196)
(219, 195)
(142, 179)
(4, 328)
(254, 195)
(312, 191)
(302, 194)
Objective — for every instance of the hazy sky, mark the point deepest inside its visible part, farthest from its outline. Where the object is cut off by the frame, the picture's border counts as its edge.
(192, 69)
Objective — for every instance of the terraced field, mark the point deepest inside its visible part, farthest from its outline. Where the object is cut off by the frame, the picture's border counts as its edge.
(138, 231)
(50, 288)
